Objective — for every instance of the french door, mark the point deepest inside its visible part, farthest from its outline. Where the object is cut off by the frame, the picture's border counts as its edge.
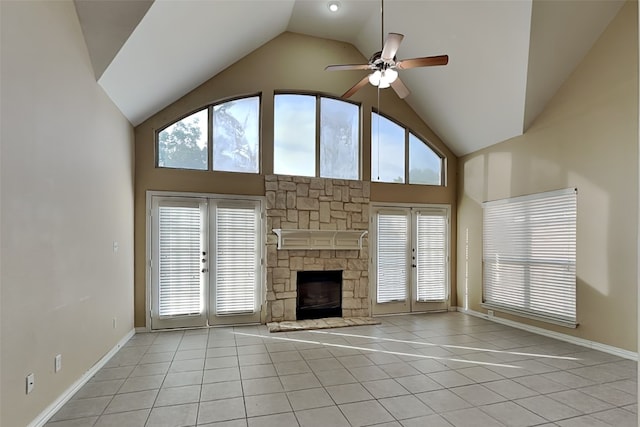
(205, 261)
(410, 248)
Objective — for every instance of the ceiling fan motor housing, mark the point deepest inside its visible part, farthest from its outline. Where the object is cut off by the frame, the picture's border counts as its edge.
(377, 63)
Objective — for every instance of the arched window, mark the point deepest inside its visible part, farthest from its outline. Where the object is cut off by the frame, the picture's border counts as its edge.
(183, 144)
(398, 155)
(316, 136)
(234, 145)
(236, 135)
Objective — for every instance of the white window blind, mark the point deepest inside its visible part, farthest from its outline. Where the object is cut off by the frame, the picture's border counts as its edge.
(392, 242)
(237, 259)
(529, 253)
(180, 279)
(431, 256)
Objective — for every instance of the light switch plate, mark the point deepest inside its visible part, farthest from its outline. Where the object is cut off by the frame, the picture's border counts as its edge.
(31, 382)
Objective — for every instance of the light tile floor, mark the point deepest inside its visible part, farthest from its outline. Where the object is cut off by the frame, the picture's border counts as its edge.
(432, 370)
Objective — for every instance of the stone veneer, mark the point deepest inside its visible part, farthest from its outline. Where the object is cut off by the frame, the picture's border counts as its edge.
(316, 204)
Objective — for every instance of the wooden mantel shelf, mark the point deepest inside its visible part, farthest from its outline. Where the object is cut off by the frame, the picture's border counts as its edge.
(320, 239)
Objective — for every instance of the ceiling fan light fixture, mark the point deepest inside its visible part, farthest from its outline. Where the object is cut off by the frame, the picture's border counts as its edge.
(333, 6)
(384, 78)
(374, 78)
(390, 75)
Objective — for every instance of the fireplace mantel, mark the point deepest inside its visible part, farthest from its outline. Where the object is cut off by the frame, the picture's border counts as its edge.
(319, 239)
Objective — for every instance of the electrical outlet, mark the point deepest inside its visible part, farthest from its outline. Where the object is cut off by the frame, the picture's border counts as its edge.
(31, 382)
(115, 323)
(490, 313)
(58, 363)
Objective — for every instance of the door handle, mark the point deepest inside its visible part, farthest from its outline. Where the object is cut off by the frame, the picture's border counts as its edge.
(204, 270)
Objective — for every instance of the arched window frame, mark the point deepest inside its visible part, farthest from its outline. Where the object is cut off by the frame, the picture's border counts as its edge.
(209, 108)
(157, 148)
(210, 162)
(407, 161)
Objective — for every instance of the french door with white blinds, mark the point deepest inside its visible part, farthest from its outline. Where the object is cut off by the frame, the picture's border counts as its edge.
(205, 261)
(410, 248)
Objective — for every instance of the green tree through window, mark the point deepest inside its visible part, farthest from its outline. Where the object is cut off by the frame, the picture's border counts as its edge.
(184, 144)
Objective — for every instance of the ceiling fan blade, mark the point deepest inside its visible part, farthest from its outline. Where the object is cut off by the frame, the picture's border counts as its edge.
(400, 88)
(362, 83)
(428, 61)
(391, 45)
(348, 67)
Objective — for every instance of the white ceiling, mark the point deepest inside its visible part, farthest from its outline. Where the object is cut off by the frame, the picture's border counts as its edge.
(506, 58)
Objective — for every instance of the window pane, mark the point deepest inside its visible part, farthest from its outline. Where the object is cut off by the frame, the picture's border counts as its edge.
(294, 140)
(392, 240)
(431, 254)
(237, 259)
(425, 166)
(180, 286)
(387, 150)
(184, 143)
(236, 135)
(529, 255)
(339, 139)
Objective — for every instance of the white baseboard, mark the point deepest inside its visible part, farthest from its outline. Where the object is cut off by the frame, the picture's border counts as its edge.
(616, 351)
(142, 330)
(44, 416)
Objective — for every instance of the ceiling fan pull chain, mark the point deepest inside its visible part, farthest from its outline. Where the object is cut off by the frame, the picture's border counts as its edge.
(378, 132)
(381, 24)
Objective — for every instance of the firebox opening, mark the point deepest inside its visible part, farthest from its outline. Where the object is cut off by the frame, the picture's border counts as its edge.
(319, 294)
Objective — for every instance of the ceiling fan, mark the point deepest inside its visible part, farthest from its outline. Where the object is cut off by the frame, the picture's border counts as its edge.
(384, 65)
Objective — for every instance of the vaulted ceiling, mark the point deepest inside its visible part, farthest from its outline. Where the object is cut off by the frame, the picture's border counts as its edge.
(506, 58)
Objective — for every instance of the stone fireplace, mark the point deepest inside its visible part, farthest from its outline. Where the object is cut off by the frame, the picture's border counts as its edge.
(301, 203)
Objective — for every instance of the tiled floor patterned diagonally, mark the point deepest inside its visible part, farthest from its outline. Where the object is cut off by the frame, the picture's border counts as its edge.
(432, 370)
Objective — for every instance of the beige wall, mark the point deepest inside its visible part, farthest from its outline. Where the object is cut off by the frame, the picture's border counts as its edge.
(66, 195)
(288, 62)
(587, 137)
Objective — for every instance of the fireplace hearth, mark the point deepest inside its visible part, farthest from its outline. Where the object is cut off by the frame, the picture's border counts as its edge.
(319, 294)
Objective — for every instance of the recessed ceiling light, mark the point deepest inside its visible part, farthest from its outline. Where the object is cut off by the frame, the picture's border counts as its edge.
(333, 6)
